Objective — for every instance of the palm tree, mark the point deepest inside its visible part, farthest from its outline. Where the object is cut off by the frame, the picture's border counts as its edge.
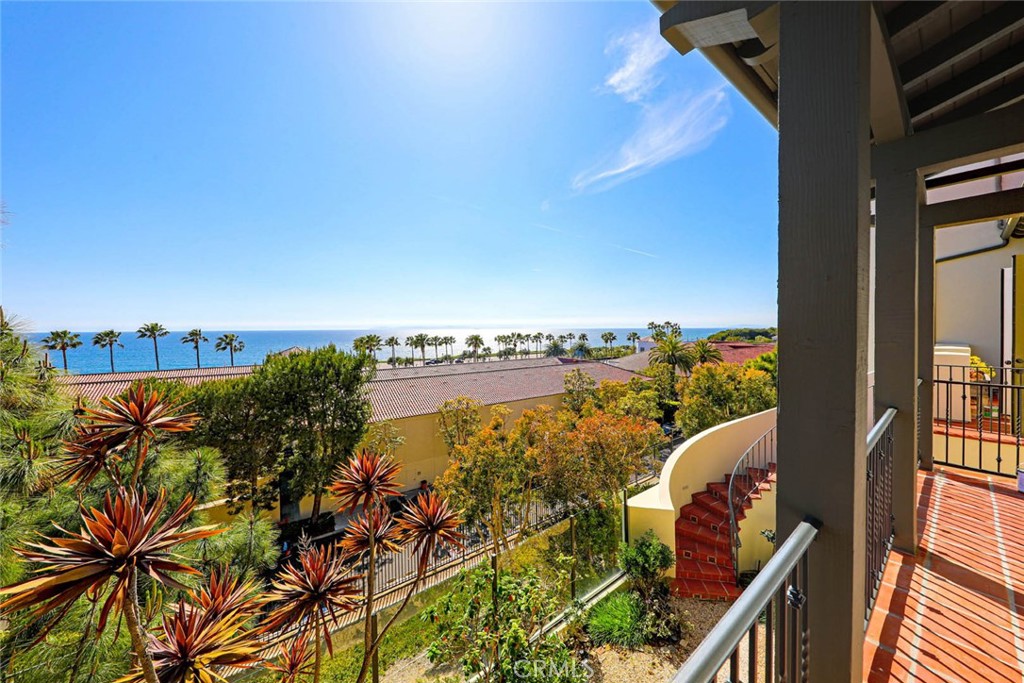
(434, 341)
(393, 342)
(704, 351)
(372, 344)
(608, 338)
(486, 351)
(584, 337)
(581, 349)
(305, 593)
(108, 339)
(231, 343)
(116, 544)
(62, 340)
(537, 338)
(633, 338)
(411, 343)
(153, 331)
(672, 351)
(475, 342)
(195, 338)
(570, 336)
(422, 341)
(555, 349)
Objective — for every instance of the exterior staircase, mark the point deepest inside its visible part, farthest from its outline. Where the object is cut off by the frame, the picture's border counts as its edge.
(704, 567)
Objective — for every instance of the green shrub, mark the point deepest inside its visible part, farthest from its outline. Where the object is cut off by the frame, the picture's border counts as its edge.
(645, 562)
(617, 620)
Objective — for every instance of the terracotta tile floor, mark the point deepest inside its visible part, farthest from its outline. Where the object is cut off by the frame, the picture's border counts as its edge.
(954, 612)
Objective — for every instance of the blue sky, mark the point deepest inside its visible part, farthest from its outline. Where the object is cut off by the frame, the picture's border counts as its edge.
(336, 165)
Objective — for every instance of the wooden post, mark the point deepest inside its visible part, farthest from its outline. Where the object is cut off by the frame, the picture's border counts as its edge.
(926, 341)
(823, 312)
(897, 201)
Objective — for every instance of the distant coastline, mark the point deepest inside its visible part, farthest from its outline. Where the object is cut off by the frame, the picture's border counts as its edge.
(137, 354)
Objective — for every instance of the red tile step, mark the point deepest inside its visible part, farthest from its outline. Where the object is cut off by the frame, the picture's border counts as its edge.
(701, 516)
(704, 590)
(689, 549)
(707, 500)
(704, 571)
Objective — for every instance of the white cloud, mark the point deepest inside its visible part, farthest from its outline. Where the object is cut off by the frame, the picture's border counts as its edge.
(642, 50)
(676, 127)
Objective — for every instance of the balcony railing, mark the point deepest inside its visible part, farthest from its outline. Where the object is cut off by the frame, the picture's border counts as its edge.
(753, 469)
(978, 417)
(779, 592)
(880, 520)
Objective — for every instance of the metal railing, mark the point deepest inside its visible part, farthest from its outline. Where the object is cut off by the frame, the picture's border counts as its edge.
(978, 413)
(879, 517)
(753, 469)
(780, 593)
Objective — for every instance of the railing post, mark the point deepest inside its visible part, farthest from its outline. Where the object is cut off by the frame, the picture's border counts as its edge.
(625, 515)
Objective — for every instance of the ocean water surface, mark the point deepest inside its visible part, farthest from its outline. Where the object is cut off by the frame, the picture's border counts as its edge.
(137, 354)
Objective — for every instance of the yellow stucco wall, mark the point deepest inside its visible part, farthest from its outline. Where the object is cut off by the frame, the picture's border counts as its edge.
(705, 458)
(423, 455)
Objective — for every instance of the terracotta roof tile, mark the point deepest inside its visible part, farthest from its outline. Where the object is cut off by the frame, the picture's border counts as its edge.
(400, 392)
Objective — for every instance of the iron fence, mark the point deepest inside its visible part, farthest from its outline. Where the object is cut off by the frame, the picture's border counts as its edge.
(753, 469)
(880, 520)
(770, 617)
(978, 415)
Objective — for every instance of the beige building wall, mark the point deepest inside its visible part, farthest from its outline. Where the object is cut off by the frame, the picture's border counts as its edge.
(423, 455)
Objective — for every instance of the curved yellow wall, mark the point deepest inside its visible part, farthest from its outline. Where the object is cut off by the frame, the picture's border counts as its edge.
(707, 457)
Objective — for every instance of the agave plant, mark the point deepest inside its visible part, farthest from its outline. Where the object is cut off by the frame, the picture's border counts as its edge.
(194, 645)
(116, 544)
(133, 419)
(387, 536)
(85, 457)
(367, 480)
(227, 595)
(426, 523)
(293, 664)
(319, 588)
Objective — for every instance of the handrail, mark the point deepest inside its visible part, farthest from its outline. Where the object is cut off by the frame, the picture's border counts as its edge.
(744, 463)
(722, 643)
(876, 432)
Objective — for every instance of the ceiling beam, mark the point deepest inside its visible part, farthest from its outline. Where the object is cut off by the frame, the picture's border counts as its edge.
(978, 138)
(890, 118)
(1005, 95)
(977, 35)
(687, 12)
(977, 209)
(979, 173)
(908, 15)
(972, 80)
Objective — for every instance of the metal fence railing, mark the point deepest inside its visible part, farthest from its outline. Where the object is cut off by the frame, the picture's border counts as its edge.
(978, 415)
(755, 467)
(878, 504)
(775, 649)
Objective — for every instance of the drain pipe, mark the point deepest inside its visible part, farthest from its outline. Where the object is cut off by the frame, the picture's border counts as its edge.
(1005, 233)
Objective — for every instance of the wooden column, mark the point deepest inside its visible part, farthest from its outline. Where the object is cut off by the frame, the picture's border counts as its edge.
(926, 340)
(897, 201)
(823, 314)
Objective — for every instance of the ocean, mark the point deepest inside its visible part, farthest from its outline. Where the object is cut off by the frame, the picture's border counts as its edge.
(137, 354)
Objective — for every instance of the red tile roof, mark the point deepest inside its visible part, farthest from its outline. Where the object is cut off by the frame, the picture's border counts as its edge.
(399, 392)
(739, 352)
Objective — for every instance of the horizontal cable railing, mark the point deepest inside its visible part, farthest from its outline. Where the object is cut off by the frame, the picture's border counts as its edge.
(780, 594)
(977, 415)
(878, 504)
(753, 469)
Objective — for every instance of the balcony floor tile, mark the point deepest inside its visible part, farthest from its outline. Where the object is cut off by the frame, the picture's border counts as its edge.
(954, 612)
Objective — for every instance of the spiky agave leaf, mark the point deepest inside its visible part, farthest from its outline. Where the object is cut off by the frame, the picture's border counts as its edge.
(194, 645)
(294, 663)
(84, 457)
(428, 522)
(366, 478)
(226, 594)
(135, 417)
(318, 586)
(115, 540)
(386, 533)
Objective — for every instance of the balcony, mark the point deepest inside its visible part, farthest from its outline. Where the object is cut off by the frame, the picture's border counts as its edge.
(952, 611)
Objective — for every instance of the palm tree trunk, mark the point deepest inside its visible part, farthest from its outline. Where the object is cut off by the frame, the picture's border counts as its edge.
(64, 353)
(138, 636)
(197, 355)
(317, 498)
(370, 585)
(156, 353)
(112, 358)
(231, 352)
